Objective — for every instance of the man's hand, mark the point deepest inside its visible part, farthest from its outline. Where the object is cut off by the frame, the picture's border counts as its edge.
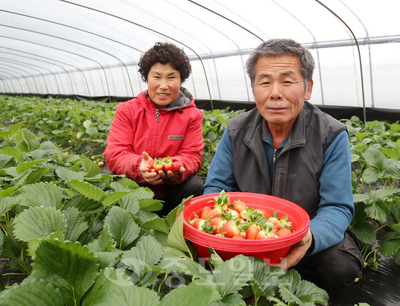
(296, 252)
(149, 175)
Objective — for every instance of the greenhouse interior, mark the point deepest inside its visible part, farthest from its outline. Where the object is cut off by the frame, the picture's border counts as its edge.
(89, 50)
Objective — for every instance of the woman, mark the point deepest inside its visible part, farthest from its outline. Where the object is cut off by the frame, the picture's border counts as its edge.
(162, 121)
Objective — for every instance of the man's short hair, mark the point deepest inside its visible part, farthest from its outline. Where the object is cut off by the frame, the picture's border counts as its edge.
(281, 47)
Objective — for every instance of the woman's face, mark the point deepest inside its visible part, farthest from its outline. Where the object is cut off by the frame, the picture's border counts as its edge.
(164, 83)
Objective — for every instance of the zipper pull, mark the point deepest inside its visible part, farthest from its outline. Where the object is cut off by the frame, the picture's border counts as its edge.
(158, 115)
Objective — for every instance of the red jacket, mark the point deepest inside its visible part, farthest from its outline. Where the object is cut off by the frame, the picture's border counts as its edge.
(176, 132)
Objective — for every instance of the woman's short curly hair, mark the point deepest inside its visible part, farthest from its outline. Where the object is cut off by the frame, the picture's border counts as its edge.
(165, 53)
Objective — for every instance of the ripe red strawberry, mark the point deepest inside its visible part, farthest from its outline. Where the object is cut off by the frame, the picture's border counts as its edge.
(158, 164)
(230, 214)
(252, 231)
(230, 229)
(276, 225)
(198, 224)
(167, 163)
(218, 223)
(264, 212)
(283, 232)
(205, 213)
(265, 235)
(239, 236)
(239, 206)
(245, 215)
(214, 213)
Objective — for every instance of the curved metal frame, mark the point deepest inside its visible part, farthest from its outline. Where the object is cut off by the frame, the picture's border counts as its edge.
(149, 29)
(359, 57)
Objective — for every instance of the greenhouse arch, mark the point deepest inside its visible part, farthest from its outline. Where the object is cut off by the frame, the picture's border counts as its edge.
(90, 49)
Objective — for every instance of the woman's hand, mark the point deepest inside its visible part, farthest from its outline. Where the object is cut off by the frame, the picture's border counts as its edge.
(149, 175)
(296, 252)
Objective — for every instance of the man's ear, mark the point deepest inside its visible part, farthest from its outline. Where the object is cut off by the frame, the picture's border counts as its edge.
(307, 94)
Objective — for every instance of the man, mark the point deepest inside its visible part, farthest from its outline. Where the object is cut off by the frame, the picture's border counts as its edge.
(287, 147)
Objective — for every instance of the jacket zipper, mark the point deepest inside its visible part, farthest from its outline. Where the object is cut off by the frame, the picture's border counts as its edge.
(158, 115)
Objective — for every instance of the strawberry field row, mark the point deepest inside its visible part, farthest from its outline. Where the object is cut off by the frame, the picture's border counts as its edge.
(55, 204)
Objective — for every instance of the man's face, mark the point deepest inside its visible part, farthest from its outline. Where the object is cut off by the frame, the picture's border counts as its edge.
(163, 83)
(279, 90)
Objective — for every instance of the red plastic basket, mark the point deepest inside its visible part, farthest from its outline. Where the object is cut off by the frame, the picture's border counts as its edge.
(271, 251)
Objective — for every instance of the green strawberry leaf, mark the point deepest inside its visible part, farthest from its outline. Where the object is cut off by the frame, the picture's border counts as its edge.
(185, 265)
(173, 252)
(88, 190)
(108, 259)
(377, 210)
(176, 238)
(123, 228)
(104, 243)
(113, 197)
(27, 165)
(265, 279)
(68, 175)
(396, 228)
(147, 252)
(288, 284)
(2, 243)
(89, 166)
(75, 224)
(33, 244)
(158, 224)
(113, 287)
(233, 299)
(125, 183)
(38, 222)
(383, 193)
(365, 232)
(35, 176)
(195, 294)
(396, 257)
(311, 293)
(32, 292)
(390, 244)
(84, 205)
(30, 139)
(371, 175)
(69, 267)
(233, 274)
(40, 194)
(6, 204)
(17, 154)
(360, 197)
(374, 158)
(151, 204)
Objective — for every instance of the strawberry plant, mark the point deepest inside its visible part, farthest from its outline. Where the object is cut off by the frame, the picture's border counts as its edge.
(376, 171)
(214, 124)
(82, 237)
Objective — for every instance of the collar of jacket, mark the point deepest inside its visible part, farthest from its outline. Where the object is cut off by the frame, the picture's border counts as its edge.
(184, 99)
